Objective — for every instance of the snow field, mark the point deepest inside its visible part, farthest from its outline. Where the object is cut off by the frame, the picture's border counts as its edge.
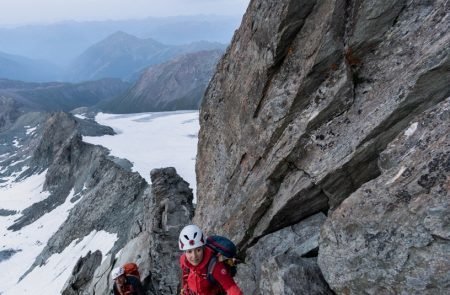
(153, 140)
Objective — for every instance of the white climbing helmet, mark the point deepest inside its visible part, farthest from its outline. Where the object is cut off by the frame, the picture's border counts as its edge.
(117, 272)
(191, 236)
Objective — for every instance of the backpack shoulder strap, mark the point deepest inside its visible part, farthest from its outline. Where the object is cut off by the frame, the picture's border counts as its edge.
(211, 264)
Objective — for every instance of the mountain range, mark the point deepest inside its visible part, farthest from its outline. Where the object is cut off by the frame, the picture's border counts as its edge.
(174, 85)
(62, 42)
(122, 55)
(18, 97)
(17, 67)
(178, 84)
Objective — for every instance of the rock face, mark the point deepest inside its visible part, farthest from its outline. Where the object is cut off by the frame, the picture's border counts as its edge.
(170, 210)
(18, 141)
(392, 235)
(297, 118)
(109, 197)
(175, 85)
(82, 273)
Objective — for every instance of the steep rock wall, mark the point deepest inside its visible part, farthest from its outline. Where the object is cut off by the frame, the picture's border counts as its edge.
(306, 98)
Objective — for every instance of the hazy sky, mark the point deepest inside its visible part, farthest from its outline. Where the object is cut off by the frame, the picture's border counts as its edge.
(15, 12)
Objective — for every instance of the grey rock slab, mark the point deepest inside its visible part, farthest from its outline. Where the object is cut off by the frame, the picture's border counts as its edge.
(392, 235)
(292, 275)
(299, 240)
(102, 282)
(82, 274)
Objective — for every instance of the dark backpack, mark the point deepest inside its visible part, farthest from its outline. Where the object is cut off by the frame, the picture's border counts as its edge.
(221, 245)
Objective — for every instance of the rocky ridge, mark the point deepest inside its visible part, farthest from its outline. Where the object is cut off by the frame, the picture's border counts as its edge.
(167, 208)
(84, 172)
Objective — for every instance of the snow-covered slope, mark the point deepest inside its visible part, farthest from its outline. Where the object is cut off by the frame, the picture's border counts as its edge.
(40, 254)
(19, 249)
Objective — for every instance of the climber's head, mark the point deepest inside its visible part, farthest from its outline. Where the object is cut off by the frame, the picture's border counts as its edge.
(192, 241)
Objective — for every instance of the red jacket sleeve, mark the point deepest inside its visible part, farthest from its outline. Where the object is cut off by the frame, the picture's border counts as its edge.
(224, 278)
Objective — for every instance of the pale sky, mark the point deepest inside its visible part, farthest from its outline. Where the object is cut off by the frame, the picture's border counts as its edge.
(17, 12)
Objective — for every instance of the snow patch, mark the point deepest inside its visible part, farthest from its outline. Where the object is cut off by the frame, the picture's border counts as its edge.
(20, 195)
(4, 156)
(16, 143)
(410, 131)
(9, 180)
(18, 162)
(83, 117)
(31, 130)
(153, 140)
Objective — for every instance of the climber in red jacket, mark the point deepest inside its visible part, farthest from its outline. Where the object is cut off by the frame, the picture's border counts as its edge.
(194, 264)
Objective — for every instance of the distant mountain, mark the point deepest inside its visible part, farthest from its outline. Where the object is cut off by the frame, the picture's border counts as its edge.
(118, 56)
(175, 85)
(26, 69)
(60, 43)
(122, 55)
(21, 97)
